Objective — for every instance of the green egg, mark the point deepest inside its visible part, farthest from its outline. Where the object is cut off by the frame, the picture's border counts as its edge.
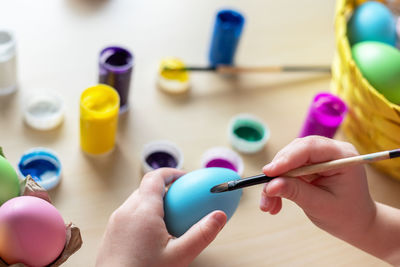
(380, 65)
(9, 182)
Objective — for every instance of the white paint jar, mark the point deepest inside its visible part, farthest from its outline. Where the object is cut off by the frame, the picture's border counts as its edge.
(8, 63)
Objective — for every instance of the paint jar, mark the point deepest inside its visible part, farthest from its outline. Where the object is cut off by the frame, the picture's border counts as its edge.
(171, 80)
(8, 63)
(159, 154)
(116, 64)
(225, 38)
(43, 165)
(325, 115)
(99, 107)
(248, 133)
(224, 158)
(44, 110)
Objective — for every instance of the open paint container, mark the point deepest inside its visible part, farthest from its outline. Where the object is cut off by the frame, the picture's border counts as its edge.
(325, 115)
(8, 62)
(115, 69)
(248, 133)
(224, 158)
(159, 154)
(173, 81)
(43, 165)
(44, 110)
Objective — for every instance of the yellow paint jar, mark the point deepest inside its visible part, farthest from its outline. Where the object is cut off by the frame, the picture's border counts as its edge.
(99, 107)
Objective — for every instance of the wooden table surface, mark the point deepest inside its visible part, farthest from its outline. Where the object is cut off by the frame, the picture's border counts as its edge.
(58, 46)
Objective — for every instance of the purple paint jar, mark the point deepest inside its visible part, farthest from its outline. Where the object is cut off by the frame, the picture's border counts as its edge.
(325, 115)
(115, 70)
(161, 153)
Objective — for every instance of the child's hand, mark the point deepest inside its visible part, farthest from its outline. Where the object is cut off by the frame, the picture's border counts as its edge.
(337, 201)
(136, 234)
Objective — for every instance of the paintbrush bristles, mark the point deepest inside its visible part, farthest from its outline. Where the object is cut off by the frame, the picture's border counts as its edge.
(220, 188)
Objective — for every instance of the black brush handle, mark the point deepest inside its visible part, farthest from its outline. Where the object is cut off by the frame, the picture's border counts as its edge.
(249, 181)
(192, 68)
(394, 153)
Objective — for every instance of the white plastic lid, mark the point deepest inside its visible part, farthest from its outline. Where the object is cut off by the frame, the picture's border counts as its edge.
(248, 133)
(161, 153)
(43, 165)
(173, 86)
(222, 157)
(8, 69)
(44, 110)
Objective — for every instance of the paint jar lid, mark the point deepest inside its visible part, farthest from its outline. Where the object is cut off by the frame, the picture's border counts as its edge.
(224, 158)
(173, 81)
(248, 133)
(161, 153)
(43, 165)
(44, 110)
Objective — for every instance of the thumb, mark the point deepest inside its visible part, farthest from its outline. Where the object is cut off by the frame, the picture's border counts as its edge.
(200, 235)
(307, 196)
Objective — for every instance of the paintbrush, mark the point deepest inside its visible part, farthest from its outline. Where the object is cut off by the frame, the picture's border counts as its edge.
(237, 69)
(308, 170)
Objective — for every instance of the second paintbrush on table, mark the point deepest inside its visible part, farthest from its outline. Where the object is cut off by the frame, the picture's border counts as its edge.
(257, 69)
(308, 170)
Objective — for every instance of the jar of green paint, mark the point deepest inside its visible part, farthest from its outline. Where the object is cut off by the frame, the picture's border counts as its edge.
(248, 133)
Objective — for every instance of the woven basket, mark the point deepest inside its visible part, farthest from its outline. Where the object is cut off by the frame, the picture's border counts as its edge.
(372, 123)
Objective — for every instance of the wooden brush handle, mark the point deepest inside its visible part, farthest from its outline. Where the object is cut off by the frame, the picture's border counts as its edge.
(337, 164)
(236, 70)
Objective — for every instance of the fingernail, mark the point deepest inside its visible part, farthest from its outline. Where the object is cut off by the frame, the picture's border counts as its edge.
(268, 166)
(263, 201)
(220, 218)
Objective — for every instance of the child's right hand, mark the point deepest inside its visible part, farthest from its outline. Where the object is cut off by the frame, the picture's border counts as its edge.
(337, 201)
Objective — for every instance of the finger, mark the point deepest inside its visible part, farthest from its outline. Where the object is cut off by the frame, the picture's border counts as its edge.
(304, 151)
(277, 205)
(154, 182)
(152, 188)
(307, 196)
(266, 203)
(198, 237)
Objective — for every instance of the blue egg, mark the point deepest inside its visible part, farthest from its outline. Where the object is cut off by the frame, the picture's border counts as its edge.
(372, 21)
(189, 198)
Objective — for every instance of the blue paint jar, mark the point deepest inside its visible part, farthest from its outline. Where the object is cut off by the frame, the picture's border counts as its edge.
(43, 165)
(225, 38)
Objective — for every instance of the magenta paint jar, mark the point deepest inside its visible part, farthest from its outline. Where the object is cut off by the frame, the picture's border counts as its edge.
(222, 157)
(325, 115)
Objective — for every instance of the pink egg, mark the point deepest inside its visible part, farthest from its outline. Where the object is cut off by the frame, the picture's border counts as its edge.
(32, 231)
